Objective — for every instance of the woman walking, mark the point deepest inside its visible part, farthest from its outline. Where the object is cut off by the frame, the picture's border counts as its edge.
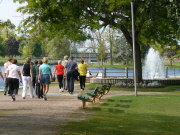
(82, 68)
(45, 75)
(27, 78)
(13, 74)
(59, 70)
(39, 87)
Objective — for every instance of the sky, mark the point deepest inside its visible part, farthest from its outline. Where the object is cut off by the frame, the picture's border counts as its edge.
(8, 11)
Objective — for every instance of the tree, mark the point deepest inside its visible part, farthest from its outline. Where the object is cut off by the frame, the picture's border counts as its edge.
(29, 47)
(58, 47)
(2, 51)
(111, 35)
(12, 46)
(8, 28)
(155, 21)
(37, 49)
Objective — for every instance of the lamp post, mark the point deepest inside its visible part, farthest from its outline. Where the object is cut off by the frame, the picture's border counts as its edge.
(134, 53)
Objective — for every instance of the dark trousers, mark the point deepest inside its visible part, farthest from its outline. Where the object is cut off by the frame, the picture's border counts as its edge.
(13, 85)
(70, 80)
(82, 80)
(34, 82)
(39, 90)
(6, 87)
(60, 80)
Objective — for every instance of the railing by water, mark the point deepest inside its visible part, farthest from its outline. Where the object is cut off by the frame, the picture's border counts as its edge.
(128, 72)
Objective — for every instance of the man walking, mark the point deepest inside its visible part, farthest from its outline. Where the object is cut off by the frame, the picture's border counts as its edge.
(70, 69)
(65, 85)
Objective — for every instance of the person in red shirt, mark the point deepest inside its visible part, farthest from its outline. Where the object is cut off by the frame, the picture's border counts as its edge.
(59, 70)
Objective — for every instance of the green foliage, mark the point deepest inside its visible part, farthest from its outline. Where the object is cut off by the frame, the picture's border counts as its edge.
(12, 46)
(58, 47)
(29, 47)
(37, 49)
(2, 50)
(156, 22)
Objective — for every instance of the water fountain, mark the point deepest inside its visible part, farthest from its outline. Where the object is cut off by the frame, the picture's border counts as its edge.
(153, 67)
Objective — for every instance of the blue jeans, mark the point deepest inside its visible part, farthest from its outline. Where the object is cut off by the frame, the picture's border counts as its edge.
(70, 80)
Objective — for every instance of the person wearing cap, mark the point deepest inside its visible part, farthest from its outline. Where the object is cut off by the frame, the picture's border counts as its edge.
(65, 85)
(59, 70)
(45, 75)
(71, 68)
(27, 78)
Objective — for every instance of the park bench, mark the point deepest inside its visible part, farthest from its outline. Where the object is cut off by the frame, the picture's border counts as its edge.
(93, 94)
(96, 93)
(84, 99)
(101, 91)
(108, 87)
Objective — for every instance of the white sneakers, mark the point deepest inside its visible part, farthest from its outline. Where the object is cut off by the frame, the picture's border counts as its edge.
(61, 90)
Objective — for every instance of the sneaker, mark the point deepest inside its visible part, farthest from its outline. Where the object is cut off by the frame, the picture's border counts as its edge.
(60, 90)
(44, 97)
(13, 98)
(24, 98)
(5, 92)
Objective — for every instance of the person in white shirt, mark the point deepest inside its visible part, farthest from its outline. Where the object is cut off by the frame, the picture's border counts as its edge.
(13, 74)
(6, 65)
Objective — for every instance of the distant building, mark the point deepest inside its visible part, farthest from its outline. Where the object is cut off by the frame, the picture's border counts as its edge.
(90, 57)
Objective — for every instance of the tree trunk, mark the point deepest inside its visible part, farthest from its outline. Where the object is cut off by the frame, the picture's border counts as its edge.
(137, 54)
(138, 63)
(170, 62)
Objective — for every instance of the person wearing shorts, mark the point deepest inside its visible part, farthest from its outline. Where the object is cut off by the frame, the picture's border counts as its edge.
(45, 75)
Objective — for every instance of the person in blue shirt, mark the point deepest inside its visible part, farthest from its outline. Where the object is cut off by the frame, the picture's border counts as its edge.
(45, 75)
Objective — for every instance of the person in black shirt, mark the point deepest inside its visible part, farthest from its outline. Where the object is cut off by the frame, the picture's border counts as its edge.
(27, 78)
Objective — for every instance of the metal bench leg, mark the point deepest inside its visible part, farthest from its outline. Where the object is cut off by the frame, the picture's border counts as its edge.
(83, 104)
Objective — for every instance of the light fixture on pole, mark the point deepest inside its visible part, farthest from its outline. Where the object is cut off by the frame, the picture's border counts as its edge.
(134, 53)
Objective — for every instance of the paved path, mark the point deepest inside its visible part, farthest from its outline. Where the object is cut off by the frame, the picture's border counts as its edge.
(38, 117)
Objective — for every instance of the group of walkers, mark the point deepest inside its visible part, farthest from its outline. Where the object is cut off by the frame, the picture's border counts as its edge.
(67, 71)
(38, 76)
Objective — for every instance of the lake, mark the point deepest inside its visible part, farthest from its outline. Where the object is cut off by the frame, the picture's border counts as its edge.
(116, 72)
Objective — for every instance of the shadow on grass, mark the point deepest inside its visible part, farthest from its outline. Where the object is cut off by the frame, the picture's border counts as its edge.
(110, 100)
(126, 101)
(115, 110)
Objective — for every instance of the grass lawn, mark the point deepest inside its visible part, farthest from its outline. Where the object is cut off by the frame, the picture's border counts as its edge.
(130, 115)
